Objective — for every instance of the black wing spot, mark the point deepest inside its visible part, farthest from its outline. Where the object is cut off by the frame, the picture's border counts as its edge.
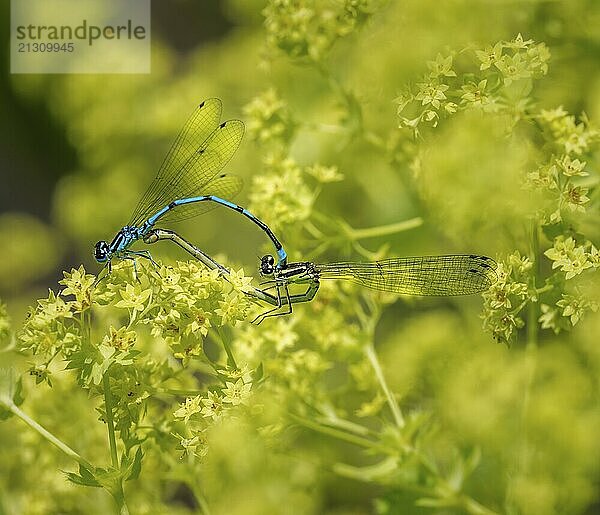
(222, 125)
(202, 103)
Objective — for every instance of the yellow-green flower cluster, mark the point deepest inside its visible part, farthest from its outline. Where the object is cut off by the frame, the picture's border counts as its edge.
(307, 29)
(269, 119)
(556, 186)
(561, 307)
(566, 134)
(567, 312)
(180, 304)
(561, 179)
(571, 258)
(506, 298)
(121, 339)
(50, 328)
(443, 92)
(200, 411)
(325, 174)
(188, 301)
(574, 307)
(281, 196)
(286, 363)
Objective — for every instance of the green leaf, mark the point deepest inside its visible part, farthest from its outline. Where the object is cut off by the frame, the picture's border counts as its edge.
(385, 468)
(551, 231)
(108, 478)
(136, 465)
(11, 392)
(85, 477)
(258, 373)
(472, 461)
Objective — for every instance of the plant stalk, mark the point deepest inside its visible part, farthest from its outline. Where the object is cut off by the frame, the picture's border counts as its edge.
(384, 230)
(49, 436)
(118, 493)
(532, 314)
(391, 400)
(110, 422)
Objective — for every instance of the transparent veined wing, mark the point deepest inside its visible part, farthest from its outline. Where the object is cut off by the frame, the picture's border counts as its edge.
(458, 274)
(194, 136)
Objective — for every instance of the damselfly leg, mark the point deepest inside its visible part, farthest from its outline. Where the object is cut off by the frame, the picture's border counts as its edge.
(142, 254)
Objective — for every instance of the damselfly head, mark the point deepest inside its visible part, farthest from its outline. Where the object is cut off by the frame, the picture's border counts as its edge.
(267, 265)
(101, 252)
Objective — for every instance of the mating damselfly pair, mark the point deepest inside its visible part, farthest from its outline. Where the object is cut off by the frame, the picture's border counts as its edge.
(189, 183)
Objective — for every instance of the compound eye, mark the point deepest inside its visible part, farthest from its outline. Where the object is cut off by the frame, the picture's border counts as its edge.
(267, 265)
(101, 251)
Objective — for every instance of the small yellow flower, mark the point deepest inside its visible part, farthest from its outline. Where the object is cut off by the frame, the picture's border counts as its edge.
(196, 445)
(325, 174)
(213, 406)
(572, 167)
(490, 55)
(236, 393)
(190, 407)
(441, 67)
(431, 93)
(133, 297)
(79, 284)
(200, 322)
(233, 309)
(55, 307)
(120, 339)
(575, 197)
(239, 281)
(169, 279)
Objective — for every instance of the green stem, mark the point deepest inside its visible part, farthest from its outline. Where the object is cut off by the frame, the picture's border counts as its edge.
(472, 507)
(336, 433)
(203, 504)
(544, 289)
(118, 493)
(110, 422)
(230, 358)
(119, 497)
(49, 436)
(326, 128)
(178, 392)
(532, 315)
(314, 231)
(372, 356)
(530, 357)
(332, 420)
(384, 230)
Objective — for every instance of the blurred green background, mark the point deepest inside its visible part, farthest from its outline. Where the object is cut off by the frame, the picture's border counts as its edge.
(78, 151)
